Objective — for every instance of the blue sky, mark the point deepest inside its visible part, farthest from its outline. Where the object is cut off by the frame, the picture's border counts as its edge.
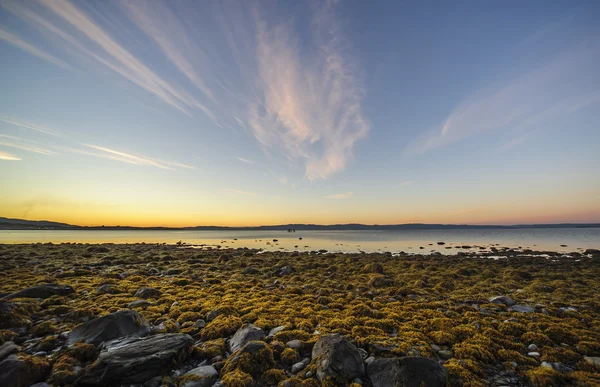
(239, 113)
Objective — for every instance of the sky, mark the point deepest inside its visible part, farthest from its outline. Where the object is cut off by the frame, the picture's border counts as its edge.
(239, 113)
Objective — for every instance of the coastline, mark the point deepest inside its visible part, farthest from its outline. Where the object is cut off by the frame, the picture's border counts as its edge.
(444, 308)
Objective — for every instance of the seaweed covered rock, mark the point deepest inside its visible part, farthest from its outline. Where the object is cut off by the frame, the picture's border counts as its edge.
(113, 326)
(245, 334)
(254, 358)
(12, 316)
(42, 291)
(406, 372)
(337, 359)
(23, 372)
(203, 376)
(136, 360)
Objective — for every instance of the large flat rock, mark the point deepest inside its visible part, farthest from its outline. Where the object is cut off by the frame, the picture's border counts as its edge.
(113, 326)
(135, 360)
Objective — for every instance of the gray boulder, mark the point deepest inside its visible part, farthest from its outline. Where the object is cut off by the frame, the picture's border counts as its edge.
(337, 358)
(42, 291)
(113, 326)
(135, 360)
(15, 372)
(247, 333)
(407, 372)
(207, 377)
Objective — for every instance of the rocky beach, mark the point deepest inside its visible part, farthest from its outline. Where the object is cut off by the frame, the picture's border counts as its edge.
(166, 315)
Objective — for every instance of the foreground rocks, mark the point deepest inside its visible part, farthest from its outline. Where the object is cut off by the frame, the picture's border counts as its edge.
(115, 325)
(136, 360)
(197, 317)
(337, 359)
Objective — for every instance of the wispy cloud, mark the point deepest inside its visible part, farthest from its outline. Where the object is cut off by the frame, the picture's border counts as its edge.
(8, 156)
(300, 102)
(112, 154)
(554, 90)
(311, 107)
(64, 144)
(346, 195)
(30, 126)
(24, 144)
(20, 43)
(238, 192)
(243, 160)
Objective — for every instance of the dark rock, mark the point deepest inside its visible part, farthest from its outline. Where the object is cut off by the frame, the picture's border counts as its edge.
(8, 348)
(113, 326)
(136, 360)
(407, 372)
(108, 289)
(42, 291)
(15, 372)
(207, 377)
(146, 292)
(337, 358)
(245, 334)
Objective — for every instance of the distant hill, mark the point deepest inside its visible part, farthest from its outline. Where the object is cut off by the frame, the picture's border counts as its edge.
(22, 224)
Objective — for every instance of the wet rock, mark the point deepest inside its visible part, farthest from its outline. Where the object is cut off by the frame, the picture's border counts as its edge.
(445, 354)
(337, 358)
(244, 335)
(522, 309)
(276, 330)
(146, 292)
(502, 300)
(407, 372)
(135, 360)
(113, 326)
(294, 344)
(15, 372)
(204, 376)
(298, 367)
(42, 291)
(8, 348)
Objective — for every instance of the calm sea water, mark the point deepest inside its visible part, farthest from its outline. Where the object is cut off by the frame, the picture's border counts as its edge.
(336, 241)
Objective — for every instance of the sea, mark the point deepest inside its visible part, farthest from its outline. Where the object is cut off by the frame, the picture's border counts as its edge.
(409, 241)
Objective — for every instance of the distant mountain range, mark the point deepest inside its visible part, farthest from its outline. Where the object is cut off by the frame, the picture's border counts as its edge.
(22, 224)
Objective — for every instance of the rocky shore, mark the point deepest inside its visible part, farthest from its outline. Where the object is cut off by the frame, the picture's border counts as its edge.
(163, 315)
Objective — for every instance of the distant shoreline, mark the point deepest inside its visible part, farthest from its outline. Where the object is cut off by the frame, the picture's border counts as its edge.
(22, 224)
